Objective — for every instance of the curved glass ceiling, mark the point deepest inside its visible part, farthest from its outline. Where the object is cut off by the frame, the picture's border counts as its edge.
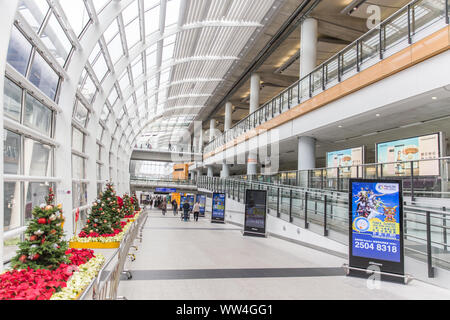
(159, 60)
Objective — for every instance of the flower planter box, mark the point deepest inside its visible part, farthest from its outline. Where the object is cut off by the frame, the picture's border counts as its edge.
(94, 245)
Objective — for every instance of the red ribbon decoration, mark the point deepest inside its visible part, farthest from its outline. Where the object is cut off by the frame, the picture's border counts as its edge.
(77, 215)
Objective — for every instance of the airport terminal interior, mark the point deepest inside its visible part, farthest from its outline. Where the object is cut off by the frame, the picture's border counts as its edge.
(225, 149)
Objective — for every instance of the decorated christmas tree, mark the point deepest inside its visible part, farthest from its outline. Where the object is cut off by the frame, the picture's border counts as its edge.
(99, 221)
(136, 203)
(128, 207)
(44, 246)
(104, 218)
(111, 206)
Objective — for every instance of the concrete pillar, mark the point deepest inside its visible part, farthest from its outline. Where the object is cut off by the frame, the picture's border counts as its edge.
(308, 46)
(225, 170)
(195, 144)
(6, 22)
(252, 162)
(255, 81)
(228, 112)
(210, 171)
(212, 128)
(200, 141)
(306, 153)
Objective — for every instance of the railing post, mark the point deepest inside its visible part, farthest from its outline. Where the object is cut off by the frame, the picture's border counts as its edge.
(323, 77)
(298, 92)
(429, 252)
(325, 231)
(412, 181)
(290, 206)
(444, 227)
(339, 66)
(358, 68)
(447, 19)
(278, 203)
(310, 85)
(409, 24)
(306, 210)
(381, 42)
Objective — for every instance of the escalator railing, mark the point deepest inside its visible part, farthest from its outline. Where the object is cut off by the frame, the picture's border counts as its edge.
(426, 225)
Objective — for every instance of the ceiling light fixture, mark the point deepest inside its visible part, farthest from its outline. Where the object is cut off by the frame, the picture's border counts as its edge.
(352, 7)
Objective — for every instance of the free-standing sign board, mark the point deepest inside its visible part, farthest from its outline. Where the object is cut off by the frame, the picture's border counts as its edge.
(376, 228)
(255, 212)
(218, 207)
(201, 198)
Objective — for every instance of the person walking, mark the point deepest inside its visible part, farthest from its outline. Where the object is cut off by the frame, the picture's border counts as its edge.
(174, 207)
(196, 210)
(186, 208)
(164, 207)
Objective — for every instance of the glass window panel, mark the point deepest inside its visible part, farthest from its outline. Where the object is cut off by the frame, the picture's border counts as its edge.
(37, 115)
(133, 33)
(78, 167)
(37, 158)
(151, 18)
(111, 31)
(113, 96)
(115, 49)
(105, 113)
(77, 140)
(18, 51)
(100, 67)
(100, 133)
(100, 4)
(79, 197)
(168, 52)
(137, 69)
(94, 53)
(12, 100)
(81, 113)
(130, 12)
(150, 3)
(76, 13)
(140, 92)
(121, 113)
(34, 12)
(172, 13)
(43, 76)
(56, 40)
(89, 88)
(11, 152)
(124, 82)
(11, 206)
(35, 196)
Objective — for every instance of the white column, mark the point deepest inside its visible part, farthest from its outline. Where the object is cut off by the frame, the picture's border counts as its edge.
(225, 170)
(252, 159)
(6, 22)
(308, 46)
(255, 81)
(212, 128)
(200, 141)
(306, 153)
(228, 112)
(210, 171)
(195, 145)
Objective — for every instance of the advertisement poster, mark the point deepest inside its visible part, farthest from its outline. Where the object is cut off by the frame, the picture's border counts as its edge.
(189, 198)
(255, 212)
(201, 198)
(345, 159)
(218, 207)
(416, 148)
(376, 219)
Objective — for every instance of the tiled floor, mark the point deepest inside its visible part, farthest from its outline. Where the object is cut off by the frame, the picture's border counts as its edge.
(200, 260)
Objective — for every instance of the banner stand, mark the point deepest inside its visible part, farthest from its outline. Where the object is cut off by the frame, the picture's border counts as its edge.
(376, 236)
(255, 213)
(254, 234)
(365, 273)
